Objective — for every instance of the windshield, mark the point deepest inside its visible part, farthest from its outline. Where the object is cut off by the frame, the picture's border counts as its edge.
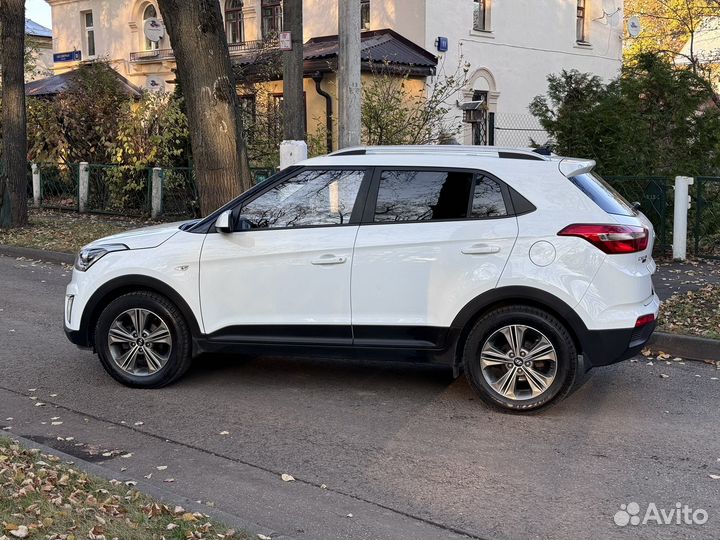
(603, 194)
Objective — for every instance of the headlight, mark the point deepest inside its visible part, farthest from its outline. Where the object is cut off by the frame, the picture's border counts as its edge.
(91, 254)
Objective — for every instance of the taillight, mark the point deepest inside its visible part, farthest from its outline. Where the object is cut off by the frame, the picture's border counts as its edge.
(644, 319)
(611, 239)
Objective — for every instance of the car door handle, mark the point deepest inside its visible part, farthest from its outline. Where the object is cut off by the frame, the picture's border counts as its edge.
(329, 259)
(480, 249)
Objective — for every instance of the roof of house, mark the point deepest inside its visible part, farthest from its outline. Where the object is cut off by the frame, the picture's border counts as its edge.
(38, 30)
(59, 83)
(378, 47)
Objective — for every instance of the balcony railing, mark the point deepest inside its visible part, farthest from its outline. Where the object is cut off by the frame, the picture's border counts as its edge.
(159, 55)
(155, 55)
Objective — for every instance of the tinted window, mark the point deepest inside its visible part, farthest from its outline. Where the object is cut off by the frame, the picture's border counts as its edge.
(487, 199)
(603, 194)
(310, 198)
(422, 196)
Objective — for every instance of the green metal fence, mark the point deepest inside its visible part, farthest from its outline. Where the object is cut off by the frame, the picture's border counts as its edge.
(704, 217)
(656, 197)
(118, 189)
(58, 186)
(180, 195)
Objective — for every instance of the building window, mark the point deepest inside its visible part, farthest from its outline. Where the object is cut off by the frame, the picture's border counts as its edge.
(365, 14)
(87, 17)
(271, 18)
(234, 27)
(580, 21)
(480, 15)
(150, 13)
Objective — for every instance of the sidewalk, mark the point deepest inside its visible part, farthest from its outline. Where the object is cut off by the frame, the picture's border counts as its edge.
(681, 277)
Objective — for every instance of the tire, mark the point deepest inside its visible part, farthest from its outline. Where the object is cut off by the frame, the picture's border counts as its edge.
(155, 363)
(489, 357)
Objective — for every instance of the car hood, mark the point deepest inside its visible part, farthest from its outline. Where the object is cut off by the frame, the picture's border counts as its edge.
(146, 237)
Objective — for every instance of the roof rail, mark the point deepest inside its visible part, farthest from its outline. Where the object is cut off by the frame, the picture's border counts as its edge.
(454, 149)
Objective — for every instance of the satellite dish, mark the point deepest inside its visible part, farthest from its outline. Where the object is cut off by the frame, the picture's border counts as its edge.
(633, 26)
(614, 18)
(153, 29)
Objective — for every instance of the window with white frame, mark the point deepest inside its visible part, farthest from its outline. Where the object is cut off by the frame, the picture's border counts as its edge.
(480, 15)
(150, 13)
(580, 21)
(234, 23)
(89, 28)
(365, 14)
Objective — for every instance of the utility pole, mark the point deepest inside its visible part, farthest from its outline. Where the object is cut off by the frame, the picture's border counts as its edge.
(293, 95)
(349, 72)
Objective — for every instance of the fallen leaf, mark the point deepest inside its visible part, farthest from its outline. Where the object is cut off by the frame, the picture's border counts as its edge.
(20, 532)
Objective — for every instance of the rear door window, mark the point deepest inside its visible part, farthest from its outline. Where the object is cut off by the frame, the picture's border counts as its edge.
(406, 196)
(602, 194)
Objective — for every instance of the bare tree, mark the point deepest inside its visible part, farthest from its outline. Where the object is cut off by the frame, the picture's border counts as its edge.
(13, 181)
(214, 117)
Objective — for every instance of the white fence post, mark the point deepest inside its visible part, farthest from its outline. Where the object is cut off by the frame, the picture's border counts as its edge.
(83, 186)
(156, 193)
(36, 184)
(680, 217)
(292, 152)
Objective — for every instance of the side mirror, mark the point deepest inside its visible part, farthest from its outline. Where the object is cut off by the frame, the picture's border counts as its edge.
(223, 222)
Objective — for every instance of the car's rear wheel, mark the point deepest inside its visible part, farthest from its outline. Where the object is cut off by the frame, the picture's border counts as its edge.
(520, 358)
(143, 340)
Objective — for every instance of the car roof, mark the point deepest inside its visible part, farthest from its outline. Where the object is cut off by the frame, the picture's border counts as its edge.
(456, 156)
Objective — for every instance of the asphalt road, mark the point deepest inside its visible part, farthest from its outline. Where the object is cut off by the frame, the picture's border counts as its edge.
(408, 451)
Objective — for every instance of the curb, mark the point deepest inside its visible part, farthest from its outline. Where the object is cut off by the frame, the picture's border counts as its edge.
(37, 254)
(690, 347)
(157, 492)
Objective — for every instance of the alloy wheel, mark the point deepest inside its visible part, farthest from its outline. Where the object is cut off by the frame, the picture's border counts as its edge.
(518, 362)
(140, 342)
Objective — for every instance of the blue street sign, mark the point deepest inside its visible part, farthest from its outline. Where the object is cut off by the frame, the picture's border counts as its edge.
(72, 56)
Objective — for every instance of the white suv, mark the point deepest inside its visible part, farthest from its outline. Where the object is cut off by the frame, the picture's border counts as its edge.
(522, 270)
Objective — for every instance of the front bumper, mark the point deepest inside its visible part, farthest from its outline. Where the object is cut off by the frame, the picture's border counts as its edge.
(605, 347)
(77, 337)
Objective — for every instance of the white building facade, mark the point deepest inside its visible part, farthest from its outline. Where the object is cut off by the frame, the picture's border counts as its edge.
(510, 45)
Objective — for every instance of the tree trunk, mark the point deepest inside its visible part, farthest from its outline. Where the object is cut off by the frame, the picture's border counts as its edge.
(13, 179)
(203, 67)
(293, 95)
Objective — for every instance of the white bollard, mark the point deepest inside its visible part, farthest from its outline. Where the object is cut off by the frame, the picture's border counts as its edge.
(83, 186)
(36, 184)
(156, 190)
(680, 217)
(292, 152)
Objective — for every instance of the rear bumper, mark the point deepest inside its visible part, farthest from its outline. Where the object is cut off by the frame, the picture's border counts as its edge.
(605, 347)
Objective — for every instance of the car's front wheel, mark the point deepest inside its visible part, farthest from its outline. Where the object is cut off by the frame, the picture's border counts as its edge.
(520, 358)
(143, 340)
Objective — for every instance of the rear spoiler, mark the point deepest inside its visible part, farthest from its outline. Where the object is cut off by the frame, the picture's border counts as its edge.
(572, 167)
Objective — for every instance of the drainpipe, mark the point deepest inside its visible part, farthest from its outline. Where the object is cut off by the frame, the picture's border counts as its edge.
(318, 77)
